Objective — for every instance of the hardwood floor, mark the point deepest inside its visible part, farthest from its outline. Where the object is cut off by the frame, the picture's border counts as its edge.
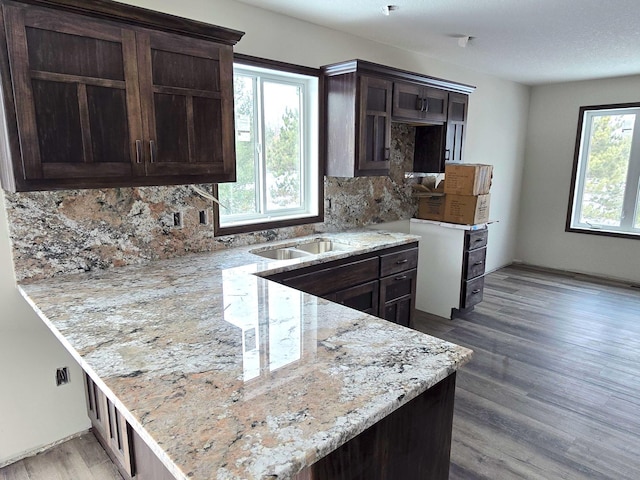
(79, 459)
(553, 390)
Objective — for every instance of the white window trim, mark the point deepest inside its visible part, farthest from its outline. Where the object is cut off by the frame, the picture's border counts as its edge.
(632, 192)
(310, 170)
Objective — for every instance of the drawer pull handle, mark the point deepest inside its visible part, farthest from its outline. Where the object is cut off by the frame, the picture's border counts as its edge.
(478, 263)
(478, 240)
(476, 291)
(153, 151)
(138, 151)
(400, 262)
(401, 277)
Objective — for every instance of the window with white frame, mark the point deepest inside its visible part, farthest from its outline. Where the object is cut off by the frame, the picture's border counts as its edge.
(606, 177)
(276, 135)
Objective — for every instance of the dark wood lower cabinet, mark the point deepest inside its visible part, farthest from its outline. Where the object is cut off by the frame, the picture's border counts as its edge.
(399, 311)
(414, 442)
(133, 457)
(381, 283)
(361, 297)
(148, 465)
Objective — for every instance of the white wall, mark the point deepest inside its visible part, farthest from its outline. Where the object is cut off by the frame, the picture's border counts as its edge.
(496, 128)
(551, 137)
(34, 411)
(498, 108)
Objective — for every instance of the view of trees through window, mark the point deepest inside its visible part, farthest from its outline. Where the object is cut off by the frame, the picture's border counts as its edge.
(268, 148)
(607, 165)
(608, 174)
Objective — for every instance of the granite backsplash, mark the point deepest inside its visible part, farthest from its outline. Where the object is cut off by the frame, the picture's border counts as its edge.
(69, 231)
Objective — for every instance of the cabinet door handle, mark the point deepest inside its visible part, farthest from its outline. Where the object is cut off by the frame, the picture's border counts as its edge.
(478, 263)
(419, 103)
(400, 262)
(138, 151)
(426, 104)
(447, 154)
(152, 150)
(476, 291)
(401, 277)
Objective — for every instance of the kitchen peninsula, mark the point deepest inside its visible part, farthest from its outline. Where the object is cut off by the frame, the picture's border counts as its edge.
(227, 375)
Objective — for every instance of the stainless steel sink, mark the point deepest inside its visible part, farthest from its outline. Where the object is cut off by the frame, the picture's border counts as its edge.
(284, 253)
(302, 249)
(322, 245)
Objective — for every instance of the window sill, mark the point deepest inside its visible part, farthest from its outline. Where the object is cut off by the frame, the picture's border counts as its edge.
(603, 232)
(256, 227)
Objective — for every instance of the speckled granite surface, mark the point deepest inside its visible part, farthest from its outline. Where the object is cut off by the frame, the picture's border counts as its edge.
(75, 231)
(230, 376)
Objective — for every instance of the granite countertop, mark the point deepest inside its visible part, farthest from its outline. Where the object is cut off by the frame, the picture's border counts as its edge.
(457, 226)
(227, 375)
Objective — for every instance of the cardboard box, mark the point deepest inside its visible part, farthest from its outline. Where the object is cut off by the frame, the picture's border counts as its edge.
(431, 207)
(467, 179)
(466, 209)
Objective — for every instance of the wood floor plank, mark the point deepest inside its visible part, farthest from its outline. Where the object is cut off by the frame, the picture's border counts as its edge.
(16, 471)
(81, 458)
(553, 390)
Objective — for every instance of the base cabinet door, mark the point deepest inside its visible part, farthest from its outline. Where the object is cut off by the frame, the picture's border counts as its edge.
(111, 429)
(133, 457)
(361, 297)
(399, 311)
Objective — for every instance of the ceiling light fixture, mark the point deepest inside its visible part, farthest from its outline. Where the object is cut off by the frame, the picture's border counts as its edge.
(387, 9)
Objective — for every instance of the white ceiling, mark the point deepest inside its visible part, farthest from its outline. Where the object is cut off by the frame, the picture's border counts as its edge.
(527, 41)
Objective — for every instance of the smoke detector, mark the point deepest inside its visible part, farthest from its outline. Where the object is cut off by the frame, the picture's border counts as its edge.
(387, 9)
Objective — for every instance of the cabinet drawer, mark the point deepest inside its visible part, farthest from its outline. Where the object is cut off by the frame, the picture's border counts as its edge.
(396, 286)
(476, 239)
(472, 291)
(331, 279)
(398, 262)
(474, 263)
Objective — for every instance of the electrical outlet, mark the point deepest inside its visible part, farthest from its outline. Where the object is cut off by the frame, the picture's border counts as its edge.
(62, 376)
(204, 218)
(177, 219)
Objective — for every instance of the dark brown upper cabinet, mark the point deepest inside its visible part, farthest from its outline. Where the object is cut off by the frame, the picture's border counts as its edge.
(418, 104)
(363, 98)
(456, 127)
(99, 99)
(439, 144)
(358, 128)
